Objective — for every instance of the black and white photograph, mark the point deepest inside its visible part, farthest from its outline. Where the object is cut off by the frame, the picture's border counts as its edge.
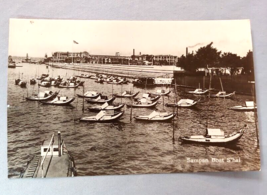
(95, 97)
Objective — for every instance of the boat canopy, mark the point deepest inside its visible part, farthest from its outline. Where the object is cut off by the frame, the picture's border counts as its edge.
(90, 93)
(186, 101)
(153, 114)
(249, 103)
(145, 95)
(215, 133)
(221, 93)
(161, 91)
(143, 100)
(124, 93)
(104, 105)
(100, 115)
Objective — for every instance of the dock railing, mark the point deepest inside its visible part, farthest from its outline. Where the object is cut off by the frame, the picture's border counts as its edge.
(51, 150)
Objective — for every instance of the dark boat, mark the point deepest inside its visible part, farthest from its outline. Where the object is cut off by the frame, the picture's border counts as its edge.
(99, 80)
(213, 136)
(126, 94)
(156, 116)
(103, 117)
(21, 83)
(100, 100)
(89, 94)
(33, 81)
(81, 83)
(105, 106)
(43, 96)
(54, 161)
(59, 101)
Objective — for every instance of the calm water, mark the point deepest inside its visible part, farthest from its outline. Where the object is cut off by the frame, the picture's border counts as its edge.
(123, 147)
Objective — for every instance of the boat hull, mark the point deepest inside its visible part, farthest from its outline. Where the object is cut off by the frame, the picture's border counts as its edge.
(59, 103)
(84, 96)
(95, 101)
(96, 109)
(42, 99)
(167, 118)
(114, 118)
(142, 105)
(127, 96)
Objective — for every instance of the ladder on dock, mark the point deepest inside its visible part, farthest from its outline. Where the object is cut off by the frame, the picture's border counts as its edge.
(32, 167)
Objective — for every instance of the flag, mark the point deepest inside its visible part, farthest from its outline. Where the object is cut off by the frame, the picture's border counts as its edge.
(75, 42)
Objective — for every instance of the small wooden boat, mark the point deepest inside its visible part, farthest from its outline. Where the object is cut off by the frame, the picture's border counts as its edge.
(80, 83)
(43, 96)
(43, 76)
(115, 82)
(99, 80)
(223, 94)
(150, 97)
(68, 85)
(199, 91)
(55, 83)
(100, 100)
(106, 106)
(103, 116)
(84, 76)
(54, 161)
(12, 64)
(162, 92)
(143, 103)
(89, 94)
(157, 116)
(45, 84)
(59, 101)
(21, 83)
(126, 94)
(183, 103)
(247, 108)
(213, 136)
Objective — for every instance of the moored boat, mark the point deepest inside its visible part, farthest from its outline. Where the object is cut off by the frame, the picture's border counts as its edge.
(199, 91)
(68, 85)
(162, 92)
(100, 100)
(103, 116)
(59, 101)
(143, 103)
(54, 161)
(156, 116)
(43, 96)
(106, 106)
(45, 84)
(249, 106)
(149, 97)
(223, 94)
(213, 136)
(183, 103)
(126, 94)
(89, 94)
(33, 81)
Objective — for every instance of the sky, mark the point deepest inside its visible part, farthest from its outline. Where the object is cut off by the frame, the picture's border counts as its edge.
(38, 37)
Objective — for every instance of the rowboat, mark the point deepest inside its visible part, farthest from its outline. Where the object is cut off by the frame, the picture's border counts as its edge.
(89, 94)
(162, 92)
(156, 116)
(55, 83)
(115, 82)
(199, 91)
(183, 103)
(45, 84)
(59, 101)
(43, 96)
(105, 106)
(68, 85)
(21, 83)
(100, 100)
(99, 80)
(103, 116)
(33, 82)
(84, 76)
(222, 94)
(12, 64)
(213, 136)
(54, 161)
(126, 94)
(149, 97)
(143, 103)
(248, 107)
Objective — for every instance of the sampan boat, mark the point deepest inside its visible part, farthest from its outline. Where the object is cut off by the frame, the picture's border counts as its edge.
(250, 106)
(100, 100)
(213, 136)
(68, 85)
(103, 116)
(43, 96)
(162, 92)
(157, 116)
(126, 94)
(89, 94)
(199, 91)
(45, 84)
(223, 94)
(183, 103)
(59, 101)
(105, 106)
(143, 103)
(149, 97)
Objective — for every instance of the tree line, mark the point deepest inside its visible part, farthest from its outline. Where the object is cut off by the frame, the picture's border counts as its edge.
(208, 56)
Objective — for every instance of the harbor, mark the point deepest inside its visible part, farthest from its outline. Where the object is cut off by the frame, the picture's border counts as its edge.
(126, 145)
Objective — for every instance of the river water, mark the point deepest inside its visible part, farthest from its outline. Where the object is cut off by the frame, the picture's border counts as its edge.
(124, 147)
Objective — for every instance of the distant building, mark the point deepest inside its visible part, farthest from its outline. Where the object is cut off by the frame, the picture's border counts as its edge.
(165, 60)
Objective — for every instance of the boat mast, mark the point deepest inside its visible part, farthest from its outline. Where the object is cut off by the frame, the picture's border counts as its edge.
(221, 84)
(207, 122)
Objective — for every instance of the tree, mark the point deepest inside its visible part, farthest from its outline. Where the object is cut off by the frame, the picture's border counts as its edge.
(248, 63)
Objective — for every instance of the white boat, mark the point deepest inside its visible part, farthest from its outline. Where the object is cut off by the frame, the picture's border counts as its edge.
(103, 116)
(223, 94)
(143, 103)
(248, 107)
(183, 103)
(126, 94)
(156, 116)
(199, 91)
(214, 136)
(89, 94)
(162, 92)
(60, 101)
(42, 96)
(54, 161)
(105, 106)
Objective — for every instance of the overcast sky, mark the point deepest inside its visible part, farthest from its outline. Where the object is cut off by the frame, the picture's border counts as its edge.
(37, 37)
